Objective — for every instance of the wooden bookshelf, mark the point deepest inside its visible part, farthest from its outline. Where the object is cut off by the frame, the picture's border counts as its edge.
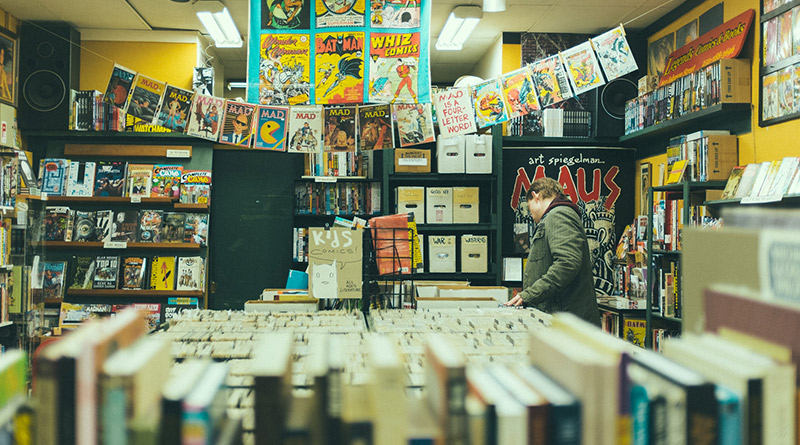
(190, 207)
(133, 293)
(106, 200)
(129, 150)
(100, 245)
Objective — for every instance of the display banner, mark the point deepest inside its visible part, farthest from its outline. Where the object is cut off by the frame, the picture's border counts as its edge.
(599, 180)
(335, 262)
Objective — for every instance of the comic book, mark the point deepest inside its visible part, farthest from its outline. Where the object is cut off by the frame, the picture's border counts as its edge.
(82, 272)
(125, 226)
(133, 273)
(196, 230)
(614, 53)
(339, 61)
(339, 13)
(395, 13)
(166, 181)
(785, 42)
(518, 93)
(376, 131)
(145, 96)
(109, 180)
(103, 224)
(279, 14)
(582, 68)
(770, 55)
(176, 305)
(785, 91)
(393, 67)
(57, 224)
(340, 129)
(53, 173)
(119, 86)
(162, 273)
(53, 278)
(174, 109)
(414, 123)
(271, 128)
(191, 274)
(550, 80)
(796, 30)
(150, 226)
(72, 315)
(140, 180)
(152, 313)
(284, 70)
(769, 96)
(80, 178)
(173, 226)
(797, 88)
(106, 271)
(85, 227)
(305, 129)
(205, 117)
(237, 124)
(487, 99)
(196, 187)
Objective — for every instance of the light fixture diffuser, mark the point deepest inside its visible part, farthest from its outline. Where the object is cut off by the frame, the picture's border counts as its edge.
(221, 27)
(459, 25)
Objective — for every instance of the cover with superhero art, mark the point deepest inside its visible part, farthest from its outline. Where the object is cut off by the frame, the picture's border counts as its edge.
(206, 117)
(375, 127)
(614, 53)
(520, 98)
(336, 13)
(339, 62)
(582, 67)
(340, 129)
(119, 86)
(394, 67)
(174, 109)
(487, 98)
(284, 69)
(286, 14)
(395, 13)
(550, 80)
(271, 128)
(414, 124)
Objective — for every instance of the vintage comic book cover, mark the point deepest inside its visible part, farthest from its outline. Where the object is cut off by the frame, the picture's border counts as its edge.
(785, 42)
(80, 178)
(133, 272)
(53, 273)
(166, 180)
(769, 96)
(614, 53)
(72, 315)
(283, 14)
(797, 88)
(162, 273)
(285, 69)
(271, 128)
(339, 60)
(340, 13)
(395, 13)
(150, 226)
(196, 230)
(340, 129)
(119, 86)
(152, 313)
(393, 67)
(125, 226)
(487, 98)
(305, 129)
(104, 221)
(550, 80)
(140, 180)
(145, 96)
(85, 227)
(176, 305)
(414, 123)
(57, 224)
(191, 274)
(106, 271)
(82, 272)
(54, 176)
(196, 187)
(582, 68)
(770, 36)
(174, 109)
(796, 30)
(454, 112)
(205, 117)
(520, 97)
(785, 91)
(375, 127)
(173, 226)
(109, 180)
(237, 125)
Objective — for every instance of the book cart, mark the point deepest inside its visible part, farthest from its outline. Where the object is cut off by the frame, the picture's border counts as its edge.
(388, 280)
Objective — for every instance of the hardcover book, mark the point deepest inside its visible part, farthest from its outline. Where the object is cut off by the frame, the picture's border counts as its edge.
(166, 181)
(125, 226)
(53, 273)
(54, 176)
(375, 127)
(150, 226)
(271, 128)
(162, 273)
(134, 269)
(104, 221)
(196, 187)
(106, 271)
(145, 96)
(173, 226)
(82, 272)
(80, 178)
(57, 224)
(173, 111)
(110, 178)
(206, 117)
(414, 123)
(191, 274)
(140, 179)
(238, 123)
(196, 228)
(85, 226)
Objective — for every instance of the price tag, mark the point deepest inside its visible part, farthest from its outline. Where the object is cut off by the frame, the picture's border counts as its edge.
(115, 245)
(173, 153)
(324, 179)
(136, 199)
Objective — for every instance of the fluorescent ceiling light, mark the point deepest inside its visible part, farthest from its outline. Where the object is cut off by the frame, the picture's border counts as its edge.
(237, 84)
(494, 5)
(221, 27)
(459, 25)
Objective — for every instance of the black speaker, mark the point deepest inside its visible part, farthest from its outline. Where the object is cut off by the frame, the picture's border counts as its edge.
(609, 106)
(49, 66)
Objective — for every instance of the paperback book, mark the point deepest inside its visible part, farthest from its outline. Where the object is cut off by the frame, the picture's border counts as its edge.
(196, 230)
(119, 86)
(105, 272)
(134, 269)
(57, 224)
(53, 273)
(162, 273)
(166, 181)
(125, 226)
(54, 176)
(110, 178)
(104, 222)
(80, 178)
(150, 226)
(173, 227)
(140, 179)
(82, 272)
(85, 226)
(190, 273)
(196, 187)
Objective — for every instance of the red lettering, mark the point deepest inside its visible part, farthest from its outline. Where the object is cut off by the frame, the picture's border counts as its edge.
(521, 185)
(611, 174)
(565, 179)
(594, 195)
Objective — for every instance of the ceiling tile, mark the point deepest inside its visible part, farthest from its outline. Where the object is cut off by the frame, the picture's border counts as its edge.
(579, 19)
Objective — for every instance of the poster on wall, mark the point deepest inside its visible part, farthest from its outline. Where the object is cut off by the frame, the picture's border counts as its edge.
(393, 68)
(285, 14)
(334, 13)
(335, 262)
(340, 68)
(284, 69)
(600, 180)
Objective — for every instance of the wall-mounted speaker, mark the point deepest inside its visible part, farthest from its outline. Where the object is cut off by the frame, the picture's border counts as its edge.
(49, 66)
(609, 110)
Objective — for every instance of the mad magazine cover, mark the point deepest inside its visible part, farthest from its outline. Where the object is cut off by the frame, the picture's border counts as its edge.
(550, 81)
(520, 97)
(340, 129)
(133, 273)
(582, 68)
(205, 117)
(196, 187)
(340, 13)
(395, 13)
(454, 112)
(174, 109)
(145, 96)
(614, 53)
(191, 274)
(271, 128)
(286, 14)
(414, 123)
(237, 127)
(119, 86)
(150, 226)
(109, 180)
(339, 60)
(305, 129)
(394, 67)
(166, 181)
(284, 69)
(375, 125)
(487, 98)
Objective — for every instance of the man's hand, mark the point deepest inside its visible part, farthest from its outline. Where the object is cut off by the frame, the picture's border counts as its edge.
(516, 301)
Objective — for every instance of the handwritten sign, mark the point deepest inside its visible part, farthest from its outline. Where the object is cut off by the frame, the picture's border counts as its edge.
(454, 112)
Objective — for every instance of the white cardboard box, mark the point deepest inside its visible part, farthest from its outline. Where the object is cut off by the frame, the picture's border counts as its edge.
(478, 153)
(439, 205)
(279, 306)
(430, 288)
(450, 154)
(442, 253)
(451, 303)
(474, 253)
(466, 205)
(411, 199)
(499, 293)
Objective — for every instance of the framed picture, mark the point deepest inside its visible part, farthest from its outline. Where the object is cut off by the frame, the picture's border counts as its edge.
(8, 67)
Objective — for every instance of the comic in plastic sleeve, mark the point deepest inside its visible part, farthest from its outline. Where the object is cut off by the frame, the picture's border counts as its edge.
(340, 129)
(614, 53)
(286, 14)
(414, 124)
(305, 129)
(339, 62)
(403, 14)
(174, 109)
(237, 128)
(284, 69)
(145, 96)
(394, 67)
(375, 127)
(271, 128)
(487, 98)
(206, 117)
(340, 13)
(518, 93)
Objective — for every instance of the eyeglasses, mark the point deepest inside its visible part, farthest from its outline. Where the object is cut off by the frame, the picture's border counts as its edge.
(240, 122)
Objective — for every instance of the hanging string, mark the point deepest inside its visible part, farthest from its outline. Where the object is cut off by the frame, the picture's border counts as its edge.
(70, 42)
(648, 12)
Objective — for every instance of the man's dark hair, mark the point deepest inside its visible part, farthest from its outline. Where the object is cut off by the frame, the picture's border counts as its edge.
(547, 188)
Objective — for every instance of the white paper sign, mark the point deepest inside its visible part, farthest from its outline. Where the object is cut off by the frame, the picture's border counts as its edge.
(115, 245)
(454, 112)
(173, 153)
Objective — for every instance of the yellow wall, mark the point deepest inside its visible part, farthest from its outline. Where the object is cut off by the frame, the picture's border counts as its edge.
(166, 62)
(512, 57)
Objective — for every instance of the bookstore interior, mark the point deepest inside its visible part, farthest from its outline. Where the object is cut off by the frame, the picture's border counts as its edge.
(354, 280)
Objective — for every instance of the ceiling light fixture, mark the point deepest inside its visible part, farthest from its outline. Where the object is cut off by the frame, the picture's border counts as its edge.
(221, 27)
(237, 84)
(494, 5)
(459, 25)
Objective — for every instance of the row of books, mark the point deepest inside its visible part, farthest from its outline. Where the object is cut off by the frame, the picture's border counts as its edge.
(668, 222)
(89, 112)
(667, 295)
(334, 164)
(145, 226)
(72, 315)
(337, 198)
(9, 180)
(764, 181)
(62, 177)
(779, 40)
(630, 281)
(709, 155)
(780, 95)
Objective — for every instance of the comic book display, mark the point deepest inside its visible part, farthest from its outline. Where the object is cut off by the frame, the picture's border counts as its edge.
(490, 108)
(582, 67)
(284, 69)
(340, 68)
(205, 118)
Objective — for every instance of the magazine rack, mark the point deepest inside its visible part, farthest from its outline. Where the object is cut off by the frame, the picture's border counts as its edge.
(388, 268)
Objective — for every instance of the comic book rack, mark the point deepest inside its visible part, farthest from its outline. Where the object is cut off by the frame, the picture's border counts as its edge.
(388, 268)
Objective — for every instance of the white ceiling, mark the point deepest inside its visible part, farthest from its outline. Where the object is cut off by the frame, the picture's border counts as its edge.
(147, 16)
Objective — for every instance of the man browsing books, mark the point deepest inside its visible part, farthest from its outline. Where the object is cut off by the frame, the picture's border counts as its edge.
(558, 274)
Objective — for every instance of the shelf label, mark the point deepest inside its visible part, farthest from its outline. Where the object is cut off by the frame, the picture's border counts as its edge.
(136, 199)
(324, 179)
(173, 153)
(419, 162)
(760, 199)
(43, 196)
(115, 245)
